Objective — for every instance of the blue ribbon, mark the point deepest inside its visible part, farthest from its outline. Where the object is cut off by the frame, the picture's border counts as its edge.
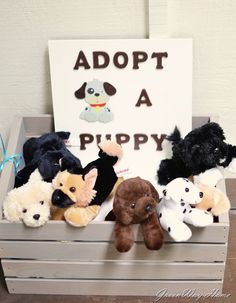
(15, 158)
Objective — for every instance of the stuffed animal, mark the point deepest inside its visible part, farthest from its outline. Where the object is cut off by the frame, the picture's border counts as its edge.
(202, 149)
(175, 209)
(214, 200)
(49, 155)
(89, 186)
(29, 203)
(75, 190)
(135, 202)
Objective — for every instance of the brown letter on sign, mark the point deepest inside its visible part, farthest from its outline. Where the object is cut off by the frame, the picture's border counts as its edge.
(122, 138)
(159, 141)
(143, 99)
(159, 57)
(139, 57)
(116, 61)
(85, 139)
(81, 61)
(139, 139)
(105, 57)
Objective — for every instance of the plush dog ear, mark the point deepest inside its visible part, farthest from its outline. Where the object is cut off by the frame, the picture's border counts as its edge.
(154, 192)
(11, 209)
(35, 176)
(88, 193)
(165, 194)
(80, 93)
(91, 177)
(213, 129)
(109, 89)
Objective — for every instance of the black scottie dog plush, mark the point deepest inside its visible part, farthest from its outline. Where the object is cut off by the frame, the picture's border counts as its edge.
(202, 149)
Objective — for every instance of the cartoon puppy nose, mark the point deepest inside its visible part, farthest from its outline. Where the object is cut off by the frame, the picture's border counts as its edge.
(36, 217)
(148, 208)
(97, 95)
(201, 194)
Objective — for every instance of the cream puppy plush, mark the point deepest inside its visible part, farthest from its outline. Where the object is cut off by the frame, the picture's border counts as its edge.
(29, 203)
(175, 209)
(213, 200)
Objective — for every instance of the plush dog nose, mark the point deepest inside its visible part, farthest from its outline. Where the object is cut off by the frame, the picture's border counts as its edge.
(97, 95)
(201, 194)
(36, 217)
(60, 199)
(56, 197)
(148, 208)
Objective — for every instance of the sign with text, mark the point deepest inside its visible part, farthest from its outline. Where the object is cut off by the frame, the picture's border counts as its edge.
(131, 91)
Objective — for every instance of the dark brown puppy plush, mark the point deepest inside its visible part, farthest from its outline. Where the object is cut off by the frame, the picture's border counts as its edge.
(135, 203)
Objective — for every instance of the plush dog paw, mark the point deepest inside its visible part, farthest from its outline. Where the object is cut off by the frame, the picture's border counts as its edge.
(210, 177)
(199, 218)
(79, 216)
(232, 166)
(180, 232)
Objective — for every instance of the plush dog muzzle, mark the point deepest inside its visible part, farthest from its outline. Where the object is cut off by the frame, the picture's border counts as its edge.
(60, 199)
(143, 208)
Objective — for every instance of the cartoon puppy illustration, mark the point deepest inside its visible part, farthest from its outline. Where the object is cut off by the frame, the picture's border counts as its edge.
(96, 93)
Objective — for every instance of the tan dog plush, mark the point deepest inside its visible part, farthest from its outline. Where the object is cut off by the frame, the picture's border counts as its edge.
(74, 190)
(213, 200)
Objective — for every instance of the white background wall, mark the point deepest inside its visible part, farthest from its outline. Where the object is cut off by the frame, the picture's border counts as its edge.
(27, 25)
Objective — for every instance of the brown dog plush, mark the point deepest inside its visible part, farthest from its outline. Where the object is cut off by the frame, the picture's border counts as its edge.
(79, 191)
(213, 200)
(135, 203)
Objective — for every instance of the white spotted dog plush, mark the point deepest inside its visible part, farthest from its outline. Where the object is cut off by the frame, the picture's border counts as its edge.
(175, 209)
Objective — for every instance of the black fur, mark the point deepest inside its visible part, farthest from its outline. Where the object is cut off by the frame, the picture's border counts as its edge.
(203, 148)
(49, 154)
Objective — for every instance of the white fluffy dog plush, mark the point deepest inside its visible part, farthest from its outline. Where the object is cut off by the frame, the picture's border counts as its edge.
(29, 203)
(175, 209)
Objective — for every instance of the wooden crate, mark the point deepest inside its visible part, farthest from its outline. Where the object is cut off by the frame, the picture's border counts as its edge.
(60, 259)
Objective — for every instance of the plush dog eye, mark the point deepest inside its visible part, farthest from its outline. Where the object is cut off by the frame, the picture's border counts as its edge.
(60, 184)
(187, 189)
(146, 195)
(72, 189)
(41, 202)
(132, 205)
(24, 210)
(90, 91)
(216, 150)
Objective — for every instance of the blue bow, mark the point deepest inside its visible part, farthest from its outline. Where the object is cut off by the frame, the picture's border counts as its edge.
(15, 158)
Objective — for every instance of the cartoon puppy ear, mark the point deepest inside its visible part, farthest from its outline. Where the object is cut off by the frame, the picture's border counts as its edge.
(109, 89)
(80, 93)
(91, 177)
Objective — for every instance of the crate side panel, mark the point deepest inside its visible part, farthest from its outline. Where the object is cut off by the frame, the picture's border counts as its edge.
(199, 121)
(92, 251)
(109, 287)
(112, 270)
(99, 231)
(15, 144)
(37, 125)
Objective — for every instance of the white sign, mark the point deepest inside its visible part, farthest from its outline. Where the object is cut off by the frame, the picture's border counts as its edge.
(132, 91)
